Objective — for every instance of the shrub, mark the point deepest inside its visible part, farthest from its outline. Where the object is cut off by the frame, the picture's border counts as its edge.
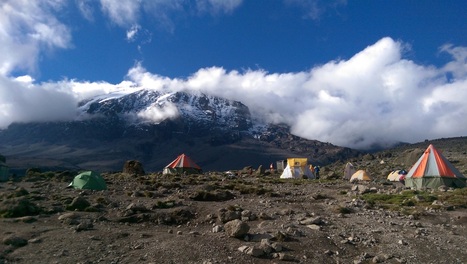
(18, 207)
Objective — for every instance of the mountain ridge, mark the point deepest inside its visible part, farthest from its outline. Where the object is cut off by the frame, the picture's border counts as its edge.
(155, 127)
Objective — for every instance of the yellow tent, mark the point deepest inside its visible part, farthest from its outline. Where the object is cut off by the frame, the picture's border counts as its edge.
(297, 168)
(360, 175)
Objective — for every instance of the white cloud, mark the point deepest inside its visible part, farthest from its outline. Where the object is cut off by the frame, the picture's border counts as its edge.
(132, 32)
(22, 101)
(376, 96)
(86, 9)
(218, 6)
(124, 13)
(26, 29)
(156, 114)
(315, 9)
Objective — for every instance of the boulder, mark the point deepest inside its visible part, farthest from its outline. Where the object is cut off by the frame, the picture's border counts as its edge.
(236, 228)
(79, 203)
(133, 167)
(15, 241)
(225, 215)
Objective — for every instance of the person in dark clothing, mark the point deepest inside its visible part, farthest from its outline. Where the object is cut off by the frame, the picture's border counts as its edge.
(317, 171)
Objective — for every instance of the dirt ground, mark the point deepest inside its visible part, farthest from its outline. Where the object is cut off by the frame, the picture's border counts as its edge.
(159, 219)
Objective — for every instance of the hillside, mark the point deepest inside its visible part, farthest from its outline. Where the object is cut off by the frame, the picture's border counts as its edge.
(380, 164)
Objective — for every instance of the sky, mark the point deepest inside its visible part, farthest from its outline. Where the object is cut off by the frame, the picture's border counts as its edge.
(352, 73)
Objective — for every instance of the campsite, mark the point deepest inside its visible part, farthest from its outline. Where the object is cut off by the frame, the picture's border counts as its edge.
(358, 211)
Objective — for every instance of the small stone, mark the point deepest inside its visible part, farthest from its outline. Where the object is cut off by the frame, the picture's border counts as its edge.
(34, 240)
(285, 257)
(217, 229)
(254, 251)
(170, 231)
(243, 249)
(314, 227)
(68, 216)
(277, 247)
(195, 233)
(179, 232)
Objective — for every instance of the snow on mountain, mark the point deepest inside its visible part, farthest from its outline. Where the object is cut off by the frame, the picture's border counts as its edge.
(152, 107)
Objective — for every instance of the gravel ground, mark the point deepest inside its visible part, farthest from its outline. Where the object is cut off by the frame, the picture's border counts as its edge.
(159, 219)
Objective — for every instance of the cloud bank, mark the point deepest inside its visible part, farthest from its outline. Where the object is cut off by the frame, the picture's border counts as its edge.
(375, 97)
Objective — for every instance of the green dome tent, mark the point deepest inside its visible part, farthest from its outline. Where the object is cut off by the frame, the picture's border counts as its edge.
(88, 180)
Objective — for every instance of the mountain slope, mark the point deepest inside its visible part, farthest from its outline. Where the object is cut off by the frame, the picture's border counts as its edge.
(154, 128)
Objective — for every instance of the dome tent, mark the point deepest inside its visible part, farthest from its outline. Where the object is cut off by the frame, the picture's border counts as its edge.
(360, 175)
(90, 180)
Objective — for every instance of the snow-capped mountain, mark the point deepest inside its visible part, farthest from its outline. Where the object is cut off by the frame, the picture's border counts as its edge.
(152, 107)
(154, 127)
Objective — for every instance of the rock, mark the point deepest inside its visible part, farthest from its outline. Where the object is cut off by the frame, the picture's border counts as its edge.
(265, 245)
(217, 229)
(15, 241)
(314, 227)
(281, 236)
(252, 251)
(264, 216)
(133, 167)
(284, 256)
(360, 188)
(135, 208)
(312, 221)
(332, 175)
(84, 225)
(243, 249)
(35, 240)
(260, 171)
(79, 203)
(68, 216)
(225, 215)
(236, 228)
(380, 258)
(443, 188)
(259, 237)
(277, 247)
(26, 219)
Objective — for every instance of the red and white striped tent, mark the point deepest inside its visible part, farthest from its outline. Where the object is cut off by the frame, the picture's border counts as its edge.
(182, 165)
(433, 170)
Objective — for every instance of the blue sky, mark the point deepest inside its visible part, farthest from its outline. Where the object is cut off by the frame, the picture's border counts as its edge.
(353, 67)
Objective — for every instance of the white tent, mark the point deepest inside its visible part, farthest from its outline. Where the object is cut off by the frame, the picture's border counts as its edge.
(297, 168)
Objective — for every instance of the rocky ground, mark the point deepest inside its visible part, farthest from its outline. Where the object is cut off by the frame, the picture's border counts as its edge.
(228, 218)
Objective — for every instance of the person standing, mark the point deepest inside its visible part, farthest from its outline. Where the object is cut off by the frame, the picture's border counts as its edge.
(317, 171)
